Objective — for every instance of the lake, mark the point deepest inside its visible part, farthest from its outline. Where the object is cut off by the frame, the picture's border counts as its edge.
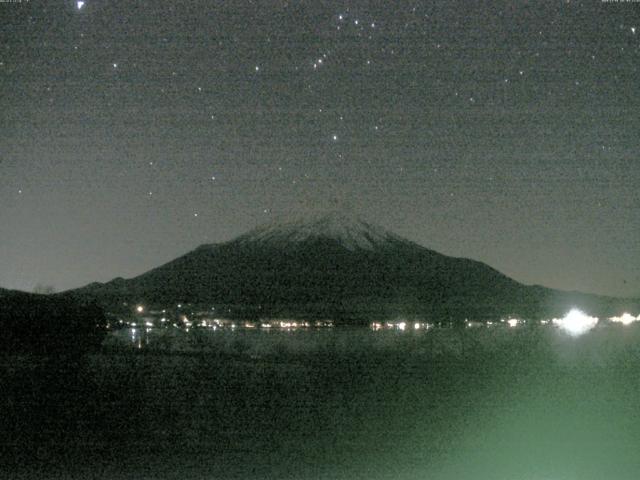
(333, 403)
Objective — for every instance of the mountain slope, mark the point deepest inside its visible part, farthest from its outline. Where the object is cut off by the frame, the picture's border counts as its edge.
(48, 324)
(339, 267)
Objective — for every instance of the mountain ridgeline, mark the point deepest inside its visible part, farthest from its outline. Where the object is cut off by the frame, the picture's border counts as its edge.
(339, 268)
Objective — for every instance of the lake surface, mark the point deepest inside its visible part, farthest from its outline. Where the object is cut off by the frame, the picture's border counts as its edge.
(339, 403)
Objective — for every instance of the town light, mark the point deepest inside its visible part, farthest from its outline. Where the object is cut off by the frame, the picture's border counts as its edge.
(625, 319)
(576, 322)
(513, 322)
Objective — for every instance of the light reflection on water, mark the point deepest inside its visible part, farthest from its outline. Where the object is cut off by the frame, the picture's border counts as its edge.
(593, 346)
(177, 337)
(138, 337)
(496, 404)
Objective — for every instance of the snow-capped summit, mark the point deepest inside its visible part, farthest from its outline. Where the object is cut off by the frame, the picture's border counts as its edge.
(351, 232)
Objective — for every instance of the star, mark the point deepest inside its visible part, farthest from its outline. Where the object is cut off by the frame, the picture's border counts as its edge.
(633, 30)
(79, 5)
(335, 137)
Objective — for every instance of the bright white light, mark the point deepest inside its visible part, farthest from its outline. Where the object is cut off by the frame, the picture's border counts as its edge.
(576, 322)
(416, 326)
(139, 309)
(513, 322)
(402, 325)
(79, 5)
(625, 319)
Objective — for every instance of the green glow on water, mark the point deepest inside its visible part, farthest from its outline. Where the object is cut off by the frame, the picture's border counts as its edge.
(513, 403)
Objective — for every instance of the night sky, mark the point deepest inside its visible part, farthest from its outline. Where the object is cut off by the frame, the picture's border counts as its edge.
(134, 131)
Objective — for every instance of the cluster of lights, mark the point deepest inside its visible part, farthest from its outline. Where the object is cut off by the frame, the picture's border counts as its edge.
(513, 322)
(625, 319)
(401, 325)
(474, 324)
(185, 321)
(576, 322)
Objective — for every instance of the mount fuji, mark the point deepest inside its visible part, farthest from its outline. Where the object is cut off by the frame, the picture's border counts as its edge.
(340, 267)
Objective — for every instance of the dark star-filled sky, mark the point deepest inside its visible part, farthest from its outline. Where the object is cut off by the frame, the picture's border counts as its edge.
(507, 132)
